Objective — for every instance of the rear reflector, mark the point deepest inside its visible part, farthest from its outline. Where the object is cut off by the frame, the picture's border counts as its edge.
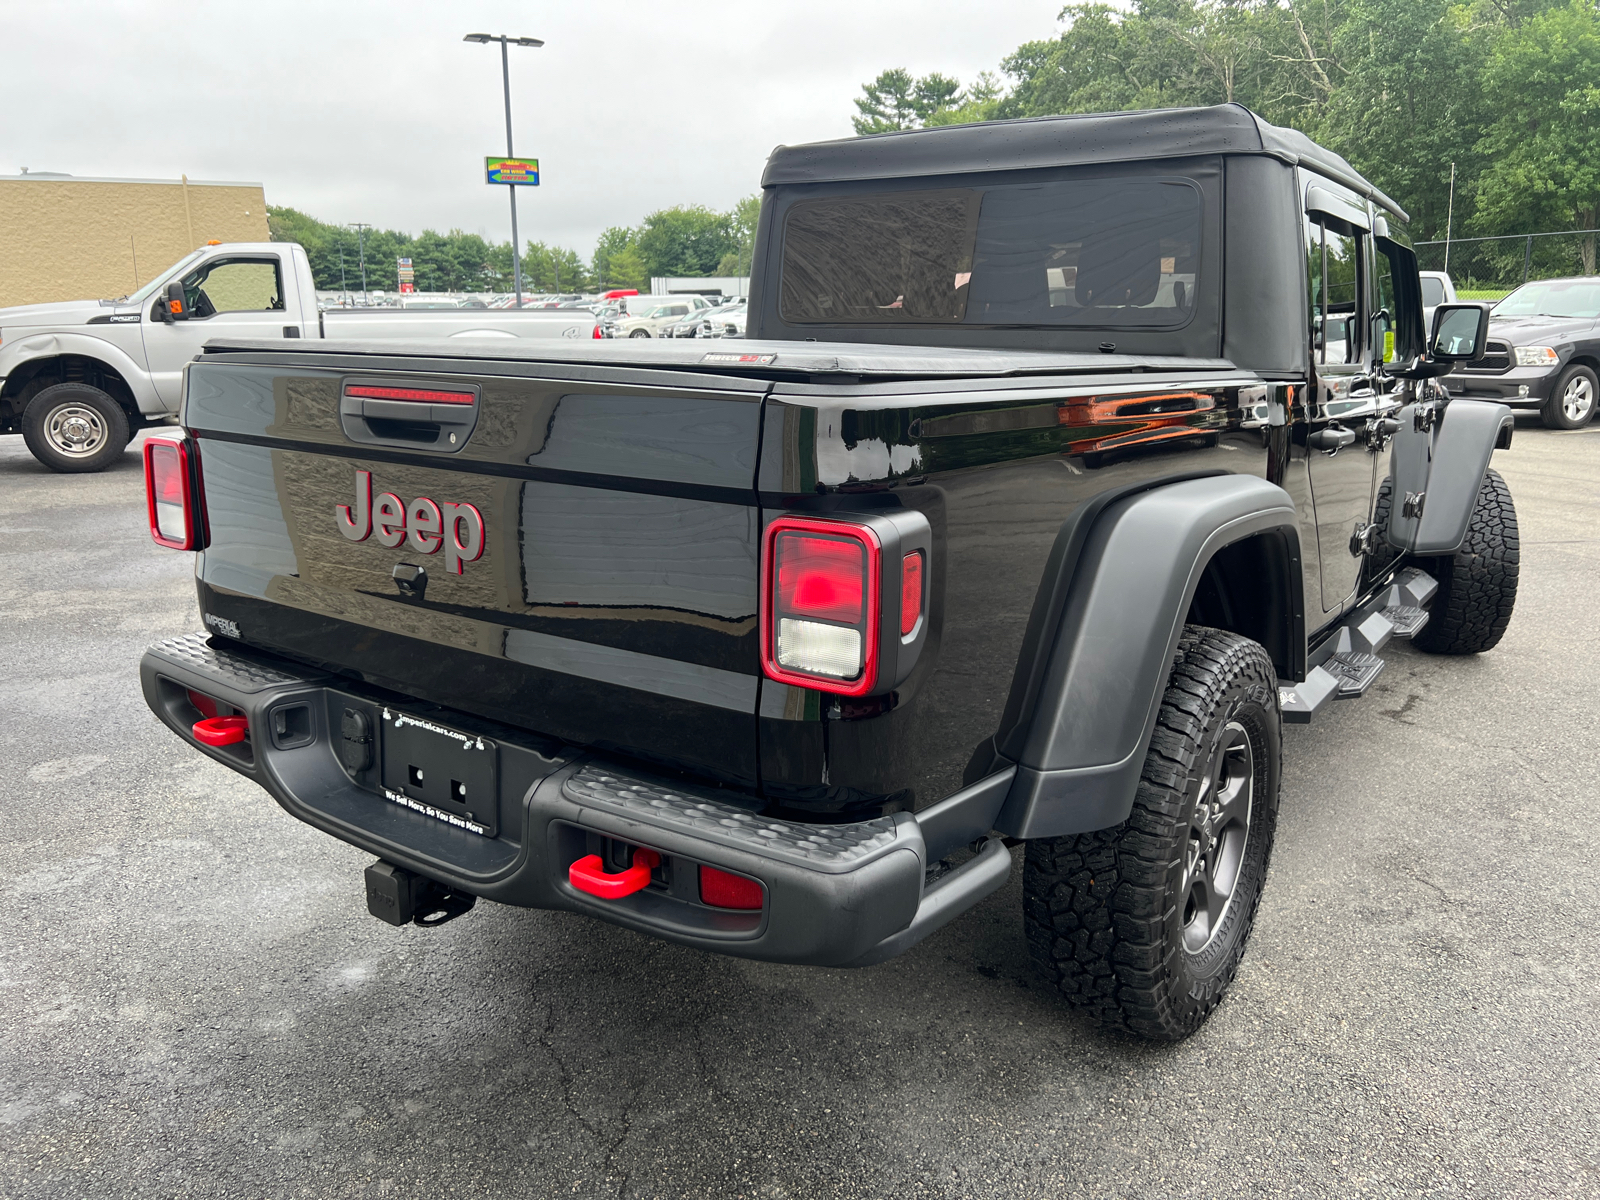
(369, 391)
(820, 604)
(169, 494)
(720, 889)
(910, 592)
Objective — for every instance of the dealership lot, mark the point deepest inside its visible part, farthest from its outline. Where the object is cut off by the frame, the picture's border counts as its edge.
(193, 1001)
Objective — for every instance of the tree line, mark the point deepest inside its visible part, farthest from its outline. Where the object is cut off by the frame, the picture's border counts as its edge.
(1506, 90)
(691, 240)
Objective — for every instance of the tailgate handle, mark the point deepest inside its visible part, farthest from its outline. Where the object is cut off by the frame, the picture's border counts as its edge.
(418, 415)
(588, 874)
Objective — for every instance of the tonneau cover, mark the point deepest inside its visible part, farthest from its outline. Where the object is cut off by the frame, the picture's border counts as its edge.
(1086, 139)
(758, 359)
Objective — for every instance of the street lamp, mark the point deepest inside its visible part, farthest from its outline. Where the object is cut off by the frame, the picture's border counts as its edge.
(484, 39)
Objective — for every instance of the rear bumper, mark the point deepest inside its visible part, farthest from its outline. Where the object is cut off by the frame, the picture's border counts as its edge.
(833, 895)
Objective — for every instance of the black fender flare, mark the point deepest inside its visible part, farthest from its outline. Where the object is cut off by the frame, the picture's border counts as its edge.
(1441, 460)
(1080, 746)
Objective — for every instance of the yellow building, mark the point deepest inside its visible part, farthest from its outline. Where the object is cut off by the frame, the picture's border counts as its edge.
(69, 238)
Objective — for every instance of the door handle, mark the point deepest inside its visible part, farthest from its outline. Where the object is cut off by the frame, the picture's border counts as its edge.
(1331, 440)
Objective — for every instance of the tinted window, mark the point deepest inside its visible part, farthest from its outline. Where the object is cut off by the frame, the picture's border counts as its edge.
(1088, 252)
(1432, 291)
(901, 256)
(1333, 261)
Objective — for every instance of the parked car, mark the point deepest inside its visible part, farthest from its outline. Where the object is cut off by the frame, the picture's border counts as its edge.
(726, 322)
(778, 651)
(689, 326)
(651, 321)
(1437, 288)
(78, 378)
(1543, 352)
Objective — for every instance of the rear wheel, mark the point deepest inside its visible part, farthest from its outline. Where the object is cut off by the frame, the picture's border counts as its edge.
(72, 427)
(1143, 925)
(1572, 400)
(640, 333)
(1478, 583)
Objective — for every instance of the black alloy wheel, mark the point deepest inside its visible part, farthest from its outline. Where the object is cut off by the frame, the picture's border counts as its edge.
(1219, 831)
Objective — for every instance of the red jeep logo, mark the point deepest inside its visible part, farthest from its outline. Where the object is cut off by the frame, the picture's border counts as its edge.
(421, 524)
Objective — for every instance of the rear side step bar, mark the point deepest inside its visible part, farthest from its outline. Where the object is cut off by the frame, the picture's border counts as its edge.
(1347, 664)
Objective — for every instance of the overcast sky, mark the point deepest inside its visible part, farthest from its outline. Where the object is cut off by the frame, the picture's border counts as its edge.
(365, 111)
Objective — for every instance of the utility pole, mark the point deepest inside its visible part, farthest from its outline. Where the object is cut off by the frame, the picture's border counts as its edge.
(1449, 218)
(505, 76)
(361, 249)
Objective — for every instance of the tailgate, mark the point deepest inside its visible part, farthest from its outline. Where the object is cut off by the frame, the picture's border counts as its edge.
(582, 561)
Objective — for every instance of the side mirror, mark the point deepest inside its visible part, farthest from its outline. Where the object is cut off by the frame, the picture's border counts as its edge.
(177, 303)
(1460, 333)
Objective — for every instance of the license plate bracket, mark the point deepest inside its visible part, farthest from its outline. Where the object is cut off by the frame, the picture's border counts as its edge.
(444, 773)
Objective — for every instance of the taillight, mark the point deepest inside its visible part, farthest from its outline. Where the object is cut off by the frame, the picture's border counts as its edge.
(820, 604)
(597, 332)
(169, 491)
(722, 889)
(845, 602)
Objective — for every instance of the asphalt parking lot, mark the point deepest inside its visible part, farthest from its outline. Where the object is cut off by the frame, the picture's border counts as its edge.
(194, 1003)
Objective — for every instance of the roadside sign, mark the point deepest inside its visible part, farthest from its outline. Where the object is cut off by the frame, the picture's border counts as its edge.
(523, 171)
(407, 274)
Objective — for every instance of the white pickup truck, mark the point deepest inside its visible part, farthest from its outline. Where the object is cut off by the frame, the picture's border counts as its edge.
(78, 378)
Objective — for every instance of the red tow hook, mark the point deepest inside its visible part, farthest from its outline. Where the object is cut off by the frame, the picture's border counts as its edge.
(220, 731)
(588, 874)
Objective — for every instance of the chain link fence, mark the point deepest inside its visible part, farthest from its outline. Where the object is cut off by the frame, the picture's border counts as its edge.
(1487, 268)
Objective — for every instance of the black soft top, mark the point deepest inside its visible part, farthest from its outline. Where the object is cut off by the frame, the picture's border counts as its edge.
(1084, 140)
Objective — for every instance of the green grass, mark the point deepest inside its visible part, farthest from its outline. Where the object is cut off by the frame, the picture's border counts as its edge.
(1482, 293)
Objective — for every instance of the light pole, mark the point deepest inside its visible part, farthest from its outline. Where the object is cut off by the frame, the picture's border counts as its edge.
(361, 251)
(505, 41)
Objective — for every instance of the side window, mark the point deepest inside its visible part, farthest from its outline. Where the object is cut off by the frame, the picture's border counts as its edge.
(1334, 267)
(1398, 301)
(1385, 307)
(234, 285)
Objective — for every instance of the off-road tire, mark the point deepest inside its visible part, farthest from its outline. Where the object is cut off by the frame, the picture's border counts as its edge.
(1383, 555)
(63, 412)
(1105, 911)
(1585, 398)
(1478, 583)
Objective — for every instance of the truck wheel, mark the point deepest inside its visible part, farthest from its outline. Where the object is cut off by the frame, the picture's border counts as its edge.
(1572, 400)
(72, 427)
(1143, 925)
(1477, 584)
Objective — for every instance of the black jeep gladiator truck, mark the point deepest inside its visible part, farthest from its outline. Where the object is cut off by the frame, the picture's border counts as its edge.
(1064, 460)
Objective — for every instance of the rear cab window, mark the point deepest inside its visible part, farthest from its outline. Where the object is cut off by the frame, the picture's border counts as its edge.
(1090, 252)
